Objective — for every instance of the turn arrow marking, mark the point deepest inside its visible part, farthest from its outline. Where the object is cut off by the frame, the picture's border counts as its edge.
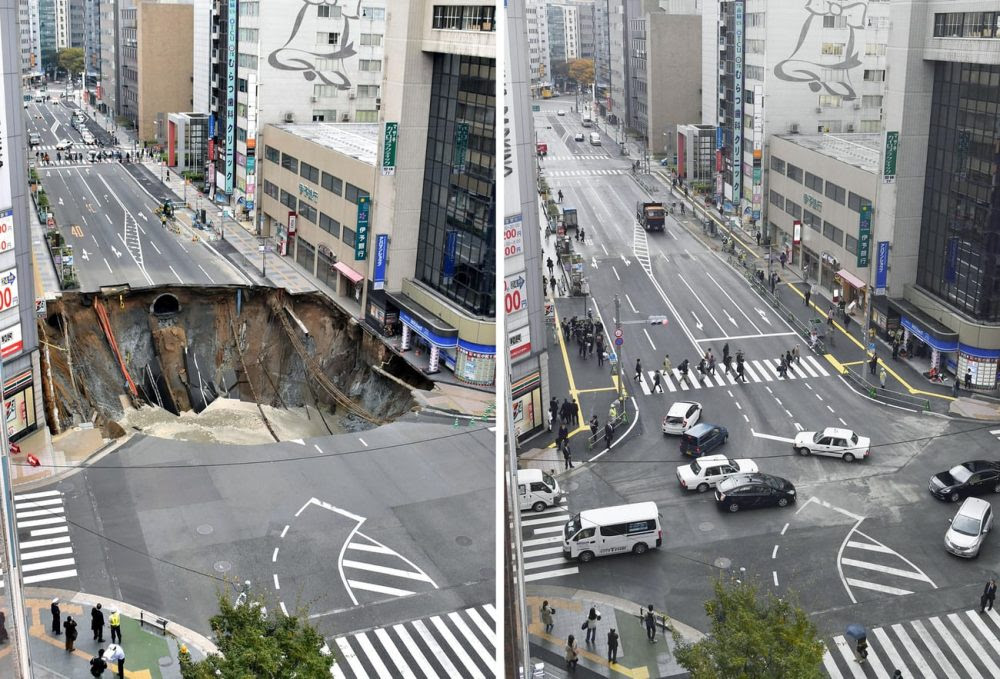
(117, 253)
(593, 262)
(86, 257)
(763, 315)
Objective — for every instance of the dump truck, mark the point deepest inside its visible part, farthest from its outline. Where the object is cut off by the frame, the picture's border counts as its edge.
(651, 215)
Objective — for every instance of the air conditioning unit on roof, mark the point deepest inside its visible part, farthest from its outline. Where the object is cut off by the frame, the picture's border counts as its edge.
(289, 117)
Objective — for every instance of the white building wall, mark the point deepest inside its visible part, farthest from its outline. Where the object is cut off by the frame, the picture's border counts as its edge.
(201, 87)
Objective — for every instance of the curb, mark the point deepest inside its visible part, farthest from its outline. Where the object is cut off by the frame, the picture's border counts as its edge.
(96, 456)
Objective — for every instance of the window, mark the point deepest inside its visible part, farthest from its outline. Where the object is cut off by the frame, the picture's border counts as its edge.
(248, 35)
(813, 182)
(871, 101)
(967, 25)
(835, 21)
(353, 193)
(309, 172)
(794, 173)
(320, 91)
(371, 39)
(290, 163)
(332, 184)
(288, 200)
(272, 154)
(854, 201)
(778, 165)
(324, 115)
(327, 38)
(370, 65)
(794, 209)
(464, 17)
(812, 220)
(247, 61)
(833, 233)
(777, 200)
(753, 72)
(755, 46)
(241, 134)
(875, 76)
(367, 90)
(851, 244)
(329, 224)
(875, 49)
(270, 189)
(348, 236)
(830, 100)
(328, 11)
(241, 84)
(836, 192)
(373, 13)
(832, 48)
(613, 531)
(366, 116)
(249, 9)
(307, 211)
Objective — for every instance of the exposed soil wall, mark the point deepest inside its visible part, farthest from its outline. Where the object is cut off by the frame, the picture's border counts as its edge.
(255, 345)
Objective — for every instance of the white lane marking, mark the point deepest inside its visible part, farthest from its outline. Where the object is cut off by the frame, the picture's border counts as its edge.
(40, 522)
(629, 300)
(181, 280)
(936, 653)
(605, 250)
(48, 542)
(276, 585)
(473, 640)
(544, 563)
(541, 541)
(155, 248)
(842, 421)
(726, 338)
(284, 530)
(206, 273)
(366, 646)
(41, 493)
(284, 610)
(885, 589)
(798, 427)
(50, 511)
(830, 408)
(45, 553)
(58, 563)
(699, 300)
(363, 442)
(414, 650)
(616, 273)
(848, 655)
(914, 653)
(361, 547)
(886, 644)
(457, 648)
(783, 439)
(551, 574)
(380, 589)
(775, 574)
(49, 531)
(552, 518)
(107, 265)
(774, 552)
(870, 547)
(738, 307)
(394, 654)
(985, 630)
(436, 651)
(45, 577)
(977, 648)
(386, 570)
(784, 528)
(486, 629)
(885, 569)
(274, 557)
(746, 418)
(646, 332)
(348, 654)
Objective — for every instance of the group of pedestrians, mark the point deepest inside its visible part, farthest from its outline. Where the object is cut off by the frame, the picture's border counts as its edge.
(572, 651)
(113, 653)
(707, 365)
(566, 414)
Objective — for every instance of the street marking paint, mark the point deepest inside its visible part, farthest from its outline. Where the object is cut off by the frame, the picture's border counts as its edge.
(179, 279)
(284, 530)
(629, 300)
(363, 442)
(616, 273)
(646, 332)
(784, 528)
(936, 652)
(274, 557)
(783, 439)
(775, 574)
(276, 585)
(774, 552)
(739, 337)
(914, 653)
(885, 569)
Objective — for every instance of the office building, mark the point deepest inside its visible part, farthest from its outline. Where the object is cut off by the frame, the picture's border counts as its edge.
(539, 62)
(30, 41)
(187, 144)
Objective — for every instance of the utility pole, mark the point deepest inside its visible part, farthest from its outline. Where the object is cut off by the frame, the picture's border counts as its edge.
(515, 514)
(618, 327)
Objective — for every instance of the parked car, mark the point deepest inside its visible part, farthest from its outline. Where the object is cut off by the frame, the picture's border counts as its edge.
(560, 112)
(834, 442)
(706, 472)
(747, 491)
(969, 478)
(681, 416)
(968, 529)
(703, 438)
(578, 136)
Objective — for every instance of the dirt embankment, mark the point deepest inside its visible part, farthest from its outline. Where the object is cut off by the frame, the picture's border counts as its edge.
(193, 350)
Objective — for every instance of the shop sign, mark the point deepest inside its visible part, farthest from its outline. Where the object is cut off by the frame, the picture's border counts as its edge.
(811, 202)
(8, 289)
(231, 14)
(891, 149)
(519, 343)
(737, 113)
(41, 308)
(389, 149)
(881, 267)
(514, 294)
(864, 236)
(308, 193)
(796, 232)
(361, 233)
(381, 260)
(513, 236)
(10, 341)
(6, 231)
(461, 148)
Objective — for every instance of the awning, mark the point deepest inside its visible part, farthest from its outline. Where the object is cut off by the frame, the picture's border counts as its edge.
(851, 279)
(353, 275)
(422, 321)
(927, 328)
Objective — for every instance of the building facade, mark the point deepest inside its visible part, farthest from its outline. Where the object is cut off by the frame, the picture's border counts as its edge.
(539, 62)
(77, 23)
(47, 31)
(696, 153)
(108, 87)
(31, 47)
(91, 42)
(602, 47)
(667, 94)
(187, 143)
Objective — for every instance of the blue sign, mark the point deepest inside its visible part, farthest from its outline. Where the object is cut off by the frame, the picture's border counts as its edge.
(381, 259)
(951, 266)
(361, 233)
(718, 137)
(427, 333)
(881, 266)
(450, 245)
(619, 341)
(737, 114)
(926, 337)
(211, 125)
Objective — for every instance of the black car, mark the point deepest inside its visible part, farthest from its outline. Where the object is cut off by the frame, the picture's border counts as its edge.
(969, 478)
(746, 491)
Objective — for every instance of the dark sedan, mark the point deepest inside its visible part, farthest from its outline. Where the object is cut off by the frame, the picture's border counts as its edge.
(747, 491)
(969, 478)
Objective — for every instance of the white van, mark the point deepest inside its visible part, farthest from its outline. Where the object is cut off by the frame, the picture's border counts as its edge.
(595, 138)
(587, 122)
(537, 490)
(612, 530)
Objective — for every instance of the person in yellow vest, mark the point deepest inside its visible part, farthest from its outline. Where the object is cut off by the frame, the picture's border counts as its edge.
(115, 621)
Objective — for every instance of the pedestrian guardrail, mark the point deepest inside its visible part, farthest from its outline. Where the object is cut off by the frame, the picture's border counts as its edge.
(888, 396)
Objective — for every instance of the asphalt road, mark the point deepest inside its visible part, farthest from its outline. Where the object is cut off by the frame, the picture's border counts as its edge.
(364, 530)
(107, 214)
(864, 539)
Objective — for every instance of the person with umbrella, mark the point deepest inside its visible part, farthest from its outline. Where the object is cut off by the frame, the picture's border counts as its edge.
(860, 635)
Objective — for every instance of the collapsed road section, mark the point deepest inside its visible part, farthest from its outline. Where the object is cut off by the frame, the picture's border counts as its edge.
(169, 352)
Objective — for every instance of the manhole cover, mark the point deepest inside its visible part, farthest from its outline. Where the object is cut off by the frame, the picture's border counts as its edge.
(67, 488)
(723, 562)
(223, 566)
(166, 661)
(463, 541)
(204, 529)
(706, 526)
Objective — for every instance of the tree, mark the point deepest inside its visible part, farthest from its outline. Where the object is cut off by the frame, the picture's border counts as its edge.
(581, 70)
(254, 645)
(755, 635)
(71, 60)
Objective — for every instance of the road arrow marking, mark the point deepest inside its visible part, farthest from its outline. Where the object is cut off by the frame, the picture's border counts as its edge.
(625, 259)
(60, 200)
(143, 215)
(763, 315)
(593, 261)
(117, 253)
(86, 257)
(798, 427)
(697, 323)
(731, 319)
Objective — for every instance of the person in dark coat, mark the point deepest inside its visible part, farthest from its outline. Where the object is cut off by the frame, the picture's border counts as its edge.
(3, 628)
(69, 626)
(968, 379)
(567, 454)
(561, 435)
(98, 664)
(612, 646)
(638, 369)
(56, 617)
(873, 363)
(97, 623)
(553, 412)
(609, 435)
(574, 412)
(989, 594)
(564, 411)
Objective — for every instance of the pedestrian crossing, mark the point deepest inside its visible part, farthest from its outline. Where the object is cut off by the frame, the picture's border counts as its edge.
(764, 370)
(374, 571)
(576, 157)
(459, 644)
(541, 544)
(583, 173)
(954, 645)
(43, 537)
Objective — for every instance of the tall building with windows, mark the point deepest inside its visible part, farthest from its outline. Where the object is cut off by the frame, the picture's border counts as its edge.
(938, 201)
(47, 32)
(539, 63)
(31, 47)
(92, 42)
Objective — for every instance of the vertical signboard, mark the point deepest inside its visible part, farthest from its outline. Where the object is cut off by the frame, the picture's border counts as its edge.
(758, 149)
(889, 165)
(5, 187)
(881, 267)
(381, 260)
(10, 341)
(361, 233)
(231, 97)
(6, 230)
(864, 236)
(389, 149)
(737, 159)
(251, 164)
(461, 148)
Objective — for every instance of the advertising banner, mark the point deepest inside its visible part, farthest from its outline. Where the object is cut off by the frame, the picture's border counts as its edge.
(8, 289)
(231, 96)
(891, 148)
(513, 236)
(6, 231)
(864, 236)
(519, 343)
(361, 233)
(381, 260)
(737, 159)
(10, 341)
(881, 267)
(389, 139)
(514, 298)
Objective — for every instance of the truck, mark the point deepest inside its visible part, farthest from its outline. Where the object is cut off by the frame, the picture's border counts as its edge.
(569, 218)
(651, 215)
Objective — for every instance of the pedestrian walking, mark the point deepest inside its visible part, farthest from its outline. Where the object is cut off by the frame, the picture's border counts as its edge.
(545, 286)
(989, 594)
(638, 369)
(862, 650)
(550, 265)
(807, 294)
(725, 350)
(783, 258)
(727, 361)
(882, 377)
(594, 427)
(553, 412)
(574, 411)
(572, 657)
(546, 614)
(592, 619)
(56, 617)
(758, 238)
(4, 637)
(796, 354)
(69, 626)
(609, 435)
(895, 350)
(567, 455)
(564, 411)
(613, 646)
(656, 382)
(954, 387)
(667, 365)
(561, 435)
(98, 664)
(612, 413)
(782, 368)
(601, 355)
(560, 195)
(97, 623)
(552, 286)
(897, 675)
(711, 364)
(873, 363)
(740, 375)
(116, 654)
(968, 379)
(650, 619)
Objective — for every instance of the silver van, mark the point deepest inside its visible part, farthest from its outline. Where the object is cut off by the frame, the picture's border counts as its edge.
(595, 138)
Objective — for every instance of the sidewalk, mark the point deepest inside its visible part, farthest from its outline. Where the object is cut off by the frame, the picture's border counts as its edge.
(149, 654)
(637, 657)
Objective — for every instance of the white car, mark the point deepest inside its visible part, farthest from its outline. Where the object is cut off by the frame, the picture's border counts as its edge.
(834, 442)
(707, 471)
(682, 416)
(968, 529)
(578, 136)
(64, 145)
(87, 137)
(560, 112)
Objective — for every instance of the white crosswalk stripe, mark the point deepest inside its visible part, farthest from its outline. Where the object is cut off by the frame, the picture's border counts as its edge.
(575, 157)
(381, 571)
(459, 644)
(541, 544)
(868, 564)
(583, 173)
(954, 645)
(763, 370)
(43, 559)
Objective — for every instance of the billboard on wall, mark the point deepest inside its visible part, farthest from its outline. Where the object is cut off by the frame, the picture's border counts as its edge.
(6, 230)
(10, 341)
(8, 289)
(231, 97)
(737, 159)
(381, 260)
(5, 188)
